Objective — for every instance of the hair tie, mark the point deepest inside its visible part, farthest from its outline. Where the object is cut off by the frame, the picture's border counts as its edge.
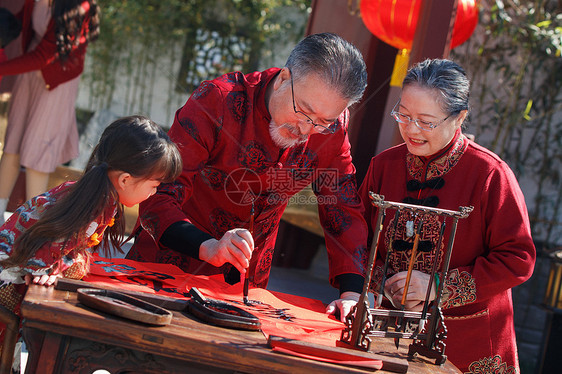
(103, 165)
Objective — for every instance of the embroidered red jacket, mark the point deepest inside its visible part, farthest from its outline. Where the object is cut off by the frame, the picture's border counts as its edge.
(493, 249)
(230, 159)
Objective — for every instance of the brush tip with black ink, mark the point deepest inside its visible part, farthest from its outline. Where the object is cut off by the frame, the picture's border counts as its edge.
(245, 292)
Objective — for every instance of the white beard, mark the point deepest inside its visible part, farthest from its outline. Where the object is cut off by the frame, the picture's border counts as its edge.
(282, 141)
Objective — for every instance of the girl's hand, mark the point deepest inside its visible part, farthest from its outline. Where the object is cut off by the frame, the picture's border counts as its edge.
(341, 307)
(45, 280)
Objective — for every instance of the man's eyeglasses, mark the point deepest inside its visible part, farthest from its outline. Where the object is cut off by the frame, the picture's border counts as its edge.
(420, 124)
(329, 129)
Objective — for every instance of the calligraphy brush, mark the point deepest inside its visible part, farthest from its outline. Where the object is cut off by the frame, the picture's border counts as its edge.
(247, 276)
(408, 277)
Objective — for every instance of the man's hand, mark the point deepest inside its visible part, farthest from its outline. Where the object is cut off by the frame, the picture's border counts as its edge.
(45, 280)
(235, 247)
(343, 305)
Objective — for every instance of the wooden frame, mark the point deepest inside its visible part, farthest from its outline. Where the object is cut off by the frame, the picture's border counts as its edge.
(427, 330)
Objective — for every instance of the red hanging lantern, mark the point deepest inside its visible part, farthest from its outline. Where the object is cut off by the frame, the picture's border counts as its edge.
(394, 21)
(467, 19)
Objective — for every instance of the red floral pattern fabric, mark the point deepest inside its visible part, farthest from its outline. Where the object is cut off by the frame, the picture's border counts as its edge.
(53, 257)
(230, 160)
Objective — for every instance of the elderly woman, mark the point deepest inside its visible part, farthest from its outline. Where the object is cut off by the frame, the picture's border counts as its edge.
(438, 166)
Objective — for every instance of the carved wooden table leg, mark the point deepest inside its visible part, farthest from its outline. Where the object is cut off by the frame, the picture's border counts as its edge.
(43, 351)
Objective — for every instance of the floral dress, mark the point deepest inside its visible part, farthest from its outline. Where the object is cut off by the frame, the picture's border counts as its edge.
(53, 257)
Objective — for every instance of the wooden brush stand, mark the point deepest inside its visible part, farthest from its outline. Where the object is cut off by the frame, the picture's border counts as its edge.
(425, 328)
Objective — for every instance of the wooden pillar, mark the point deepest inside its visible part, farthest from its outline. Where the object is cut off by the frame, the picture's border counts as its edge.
(434, 30)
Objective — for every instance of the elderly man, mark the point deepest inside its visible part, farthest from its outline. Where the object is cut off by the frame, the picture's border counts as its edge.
(249, 143)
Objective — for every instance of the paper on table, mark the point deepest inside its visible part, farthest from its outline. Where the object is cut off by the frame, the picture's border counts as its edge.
(280, 314)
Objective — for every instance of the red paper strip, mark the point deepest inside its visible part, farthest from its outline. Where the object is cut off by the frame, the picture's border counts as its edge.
(371, 364)
(280, 314)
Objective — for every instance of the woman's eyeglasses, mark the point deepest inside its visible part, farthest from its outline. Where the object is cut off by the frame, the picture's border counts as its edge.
(420, 124)
(322, 129)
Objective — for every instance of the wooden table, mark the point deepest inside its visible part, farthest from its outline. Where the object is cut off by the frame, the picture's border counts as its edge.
(63, 336)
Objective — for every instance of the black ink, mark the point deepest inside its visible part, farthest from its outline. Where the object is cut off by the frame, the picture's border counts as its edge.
(268, 310)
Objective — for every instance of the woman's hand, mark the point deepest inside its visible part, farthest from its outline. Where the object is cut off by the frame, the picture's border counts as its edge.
(235, 247)
(44, 280)
(417, 289)
(343, 305)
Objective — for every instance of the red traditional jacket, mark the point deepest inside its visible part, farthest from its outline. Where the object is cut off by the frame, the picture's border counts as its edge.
(229, 159)
(493, 249)
(44, 57)
(53, 257)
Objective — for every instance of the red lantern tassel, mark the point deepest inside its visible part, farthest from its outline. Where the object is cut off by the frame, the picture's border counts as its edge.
(400, 67)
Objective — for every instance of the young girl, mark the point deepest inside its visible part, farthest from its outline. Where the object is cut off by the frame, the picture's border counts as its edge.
(53, 234)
